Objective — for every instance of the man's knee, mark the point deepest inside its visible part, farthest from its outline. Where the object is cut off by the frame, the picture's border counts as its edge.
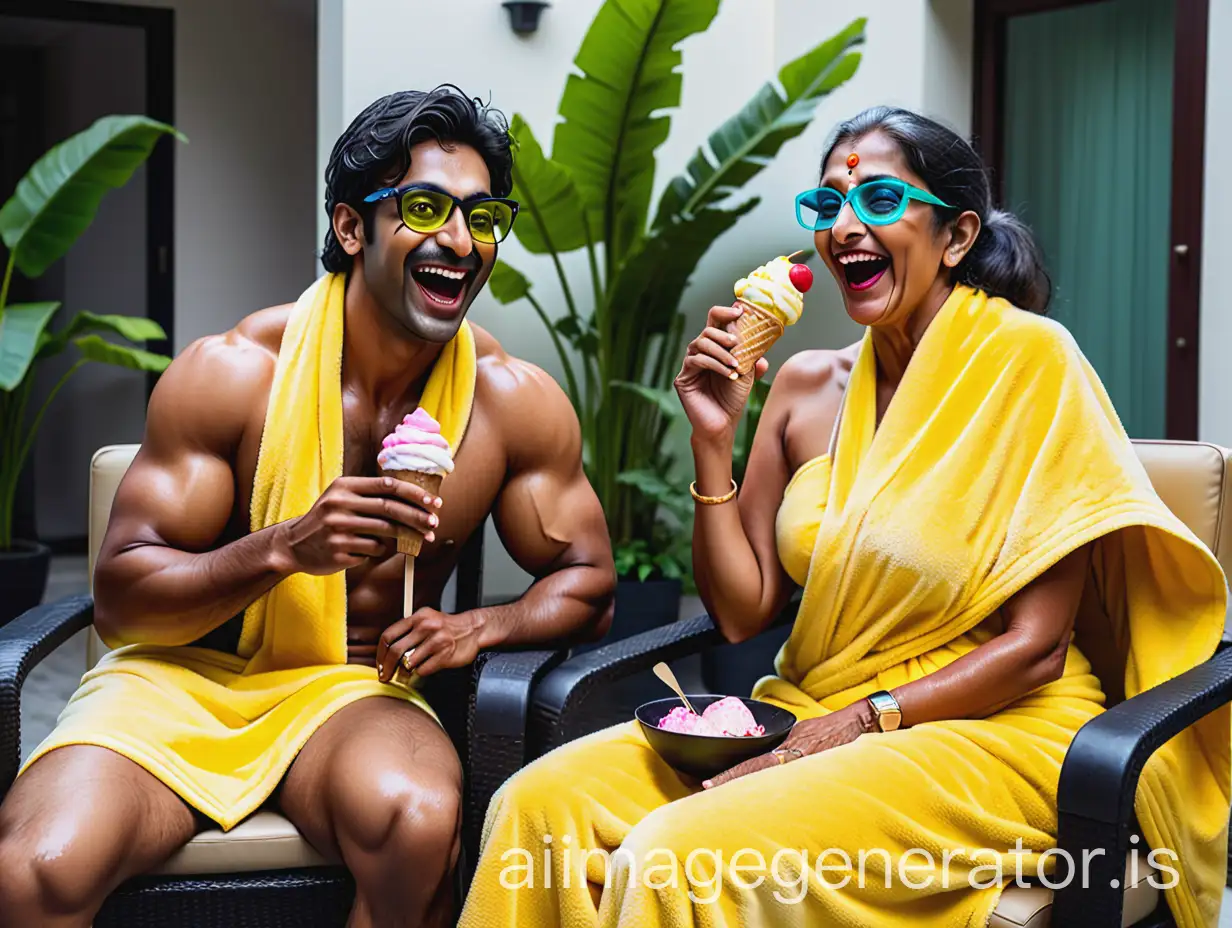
(46, 868)
(400, 813)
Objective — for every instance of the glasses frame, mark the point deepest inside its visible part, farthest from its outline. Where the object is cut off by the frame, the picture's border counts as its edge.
(905, 189)
(467, 206)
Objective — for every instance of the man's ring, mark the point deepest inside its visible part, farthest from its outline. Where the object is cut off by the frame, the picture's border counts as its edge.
(406, 659)
(781, 754)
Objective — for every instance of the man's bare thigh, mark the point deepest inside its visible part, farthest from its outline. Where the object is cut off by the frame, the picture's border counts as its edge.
(98, 811)
(359, 761)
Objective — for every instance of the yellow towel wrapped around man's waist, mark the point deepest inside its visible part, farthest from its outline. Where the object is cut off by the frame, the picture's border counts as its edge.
(1000, 454)
(221, 729)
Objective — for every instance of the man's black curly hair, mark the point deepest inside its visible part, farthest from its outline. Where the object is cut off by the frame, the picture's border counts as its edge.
(375, 150)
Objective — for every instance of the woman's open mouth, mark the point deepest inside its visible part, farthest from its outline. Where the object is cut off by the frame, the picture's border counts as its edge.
(442, 286)
(862, 268)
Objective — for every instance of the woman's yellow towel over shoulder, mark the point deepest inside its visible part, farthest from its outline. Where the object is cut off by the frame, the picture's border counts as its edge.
(999, 455)
(221, 729)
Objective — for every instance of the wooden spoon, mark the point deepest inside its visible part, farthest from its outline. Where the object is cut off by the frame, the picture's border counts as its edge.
(664, 673)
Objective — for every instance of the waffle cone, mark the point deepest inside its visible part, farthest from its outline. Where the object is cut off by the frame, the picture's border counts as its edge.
(409, 540)
(757, 330)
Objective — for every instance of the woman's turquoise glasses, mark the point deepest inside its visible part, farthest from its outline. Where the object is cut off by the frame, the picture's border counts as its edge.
(875, 202)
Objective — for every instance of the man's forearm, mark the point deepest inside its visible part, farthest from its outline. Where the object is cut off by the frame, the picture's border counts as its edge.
(153, 594)
(570, 605)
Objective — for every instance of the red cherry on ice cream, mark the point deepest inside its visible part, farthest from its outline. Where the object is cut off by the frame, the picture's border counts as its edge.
(801, 277)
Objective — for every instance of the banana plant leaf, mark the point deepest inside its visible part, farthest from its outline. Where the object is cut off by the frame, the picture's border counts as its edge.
(745, 144)
(132, 328)
(660, 266)
(59, 196)
(507, 284)
(94, 348)
(629, 70)
(22, 328)
(664, 400)
(552, 218)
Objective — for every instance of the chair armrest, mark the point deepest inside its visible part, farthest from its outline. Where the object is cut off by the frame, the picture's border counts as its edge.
(1099, 778)
(558, 715)
(499, 714)
(23, 643)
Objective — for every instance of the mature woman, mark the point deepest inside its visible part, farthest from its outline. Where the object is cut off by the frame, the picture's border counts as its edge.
(960, 504)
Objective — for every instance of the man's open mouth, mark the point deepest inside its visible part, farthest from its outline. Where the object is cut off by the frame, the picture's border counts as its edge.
(440, 284)
(862, 268)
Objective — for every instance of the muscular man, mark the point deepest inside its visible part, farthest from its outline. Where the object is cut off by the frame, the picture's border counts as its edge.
(377, 784)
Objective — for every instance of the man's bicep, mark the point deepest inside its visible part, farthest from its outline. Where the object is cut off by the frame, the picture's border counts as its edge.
(548, 515)
(548, 520)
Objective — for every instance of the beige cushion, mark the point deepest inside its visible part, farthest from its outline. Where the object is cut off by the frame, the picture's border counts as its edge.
(263, 841)
(1032, 907)
(1191, 478)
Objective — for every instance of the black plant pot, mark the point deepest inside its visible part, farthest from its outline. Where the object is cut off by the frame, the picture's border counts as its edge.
(23, 578)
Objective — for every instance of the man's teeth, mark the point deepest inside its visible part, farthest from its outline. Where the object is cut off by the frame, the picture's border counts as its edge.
(853, 257)
(444, 272)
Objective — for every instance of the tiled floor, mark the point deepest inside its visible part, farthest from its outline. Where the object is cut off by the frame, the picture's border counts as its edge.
(50, 684)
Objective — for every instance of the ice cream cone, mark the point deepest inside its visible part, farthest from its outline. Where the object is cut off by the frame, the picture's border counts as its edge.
(409, 540)
(757, 330)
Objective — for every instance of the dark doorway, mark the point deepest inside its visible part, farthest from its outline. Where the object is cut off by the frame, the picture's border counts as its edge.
(64, 65)
(1091, 114)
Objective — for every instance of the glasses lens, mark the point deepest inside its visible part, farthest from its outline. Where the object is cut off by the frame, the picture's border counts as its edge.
(880, 201)
(425, 210)
(490, 221)
(818, 209)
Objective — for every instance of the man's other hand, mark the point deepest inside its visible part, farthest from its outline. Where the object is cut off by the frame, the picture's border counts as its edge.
(434, 640)
(354, 519)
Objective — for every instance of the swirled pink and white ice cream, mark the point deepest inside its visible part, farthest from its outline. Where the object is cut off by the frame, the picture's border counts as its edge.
(416, 444)
(727, 717)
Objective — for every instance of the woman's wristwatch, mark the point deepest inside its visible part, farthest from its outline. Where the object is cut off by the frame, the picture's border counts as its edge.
(888, 713)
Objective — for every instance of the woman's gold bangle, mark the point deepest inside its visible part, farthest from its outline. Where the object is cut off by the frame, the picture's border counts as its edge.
(712, 500)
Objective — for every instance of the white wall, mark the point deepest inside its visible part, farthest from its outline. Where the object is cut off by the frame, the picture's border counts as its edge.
(360, 58)
(1215, 333)
(246, 187)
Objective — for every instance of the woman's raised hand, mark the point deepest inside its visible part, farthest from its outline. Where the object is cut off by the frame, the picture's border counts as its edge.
(711, 398)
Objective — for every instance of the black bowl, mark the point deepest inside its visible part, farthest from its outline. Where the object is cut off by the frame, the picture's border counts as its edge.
(704, 756)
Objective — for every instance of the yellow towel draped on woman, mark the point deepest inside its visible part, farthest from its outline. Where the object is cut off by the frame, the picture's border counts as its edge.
(222, 729)
(999, 454)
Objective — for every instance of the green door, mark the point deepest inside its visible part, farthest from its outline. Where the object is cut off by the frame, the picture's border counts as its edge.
(1087, 164)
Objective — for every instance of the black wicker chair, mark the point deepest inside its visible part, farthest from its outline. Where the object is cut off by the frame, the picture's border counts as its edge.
(484, 709)
(1100, 772)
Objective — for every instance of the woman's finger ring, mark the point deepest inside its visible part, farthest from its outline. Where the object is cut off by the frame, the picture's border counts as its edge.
(406, 659)
(781, 754)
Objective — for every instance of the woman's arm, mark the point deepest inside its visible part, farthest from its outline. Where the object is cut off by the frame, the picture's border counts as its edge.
(735, 555)
(1028, 654)
(1039, 622)
(735, 560)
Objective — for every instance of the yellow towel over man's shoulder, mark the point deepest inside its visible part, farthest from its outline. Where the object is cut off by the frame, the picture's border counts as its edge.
(221, 729)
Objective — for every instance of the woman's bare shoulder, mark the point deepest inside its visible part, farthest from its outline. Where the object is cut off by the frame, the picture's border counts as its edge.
(808, 372)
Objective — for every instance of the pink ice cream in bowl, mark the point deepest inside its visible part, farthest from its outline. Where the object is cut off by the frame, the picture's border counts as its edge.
(728, 731)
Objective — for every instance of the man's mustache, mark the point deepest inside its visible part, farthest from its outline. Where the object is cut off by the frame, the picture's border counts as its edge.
(431, 253)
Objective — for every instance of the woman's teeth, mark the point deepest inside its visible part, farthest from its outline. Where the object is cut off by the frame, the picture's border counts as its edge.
(862, 268)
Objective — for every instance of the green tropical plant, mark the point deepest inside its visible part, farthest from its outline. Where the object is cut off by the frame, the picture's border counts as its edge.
(54, 203)
(593, 192)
